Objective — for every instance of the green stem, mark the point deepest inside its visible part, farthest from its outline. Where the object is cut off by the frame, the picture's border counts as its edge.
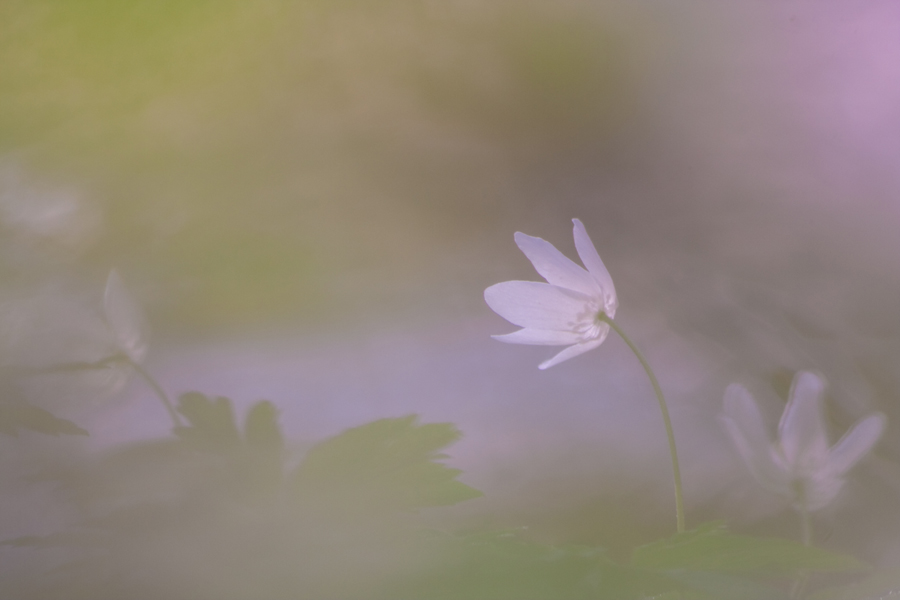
(103, 364)
(802, 578)
(806, 527)
(805, 523)
(676, 471)
(161, 393)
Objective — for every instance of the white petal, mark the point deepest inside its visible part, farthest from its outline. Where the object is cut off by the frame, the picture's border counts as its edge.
(555, 267)
(572, 352)
(740, 407)
(744, 423)
(536, 305)
(124, 318)
(591, 259)
(856, 443)
(802, 427)
(539, 337)
(764, 469)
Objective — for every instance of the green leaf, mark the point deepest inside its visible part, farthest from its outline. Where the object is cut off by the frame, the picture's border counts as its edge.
(255, 461)
(711, 547)
(261, 430)
(390, 464)
(712, 585)
(212, 425)
(263, 456)
(25, 416)
(504, 565)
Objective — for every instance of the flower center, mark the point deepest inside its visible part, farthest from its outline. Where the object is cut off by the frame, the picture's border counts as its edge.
(590, 325)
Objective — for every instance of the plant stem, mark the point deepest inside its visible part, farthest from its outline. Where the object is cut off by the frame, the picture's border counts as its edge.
(676, 471)
(802, 578)
(103, 364)
(805, 525)
(161, 393)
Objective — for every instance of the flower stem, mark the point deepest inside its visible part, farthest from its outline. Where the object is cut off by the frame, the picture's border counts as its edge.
(160, 393)
(805, 526)
(676, 471)
(802, 577)
(103, 364)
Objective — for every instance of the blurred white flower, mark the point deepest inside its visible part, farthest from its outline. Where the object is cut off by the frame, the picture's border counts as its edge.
(124, 319)
(62, 349)
(565, 311)
(800, 465)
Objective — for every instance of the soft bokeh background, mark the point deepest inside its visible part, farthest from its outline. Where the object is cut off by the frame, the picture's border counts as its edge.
(308, 199)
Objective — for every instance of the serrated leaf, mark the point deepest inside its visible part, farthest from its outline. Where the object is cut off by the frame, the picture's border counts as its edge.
(212, 426)
(125, 318)
(388, 464)
(25, 416)
(712, 548)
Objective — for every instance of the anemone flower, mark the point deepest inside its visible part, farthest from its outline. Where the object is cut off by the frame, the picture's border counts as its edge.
(800, 465)
(575, 308)
(569, 310)
(125, 320)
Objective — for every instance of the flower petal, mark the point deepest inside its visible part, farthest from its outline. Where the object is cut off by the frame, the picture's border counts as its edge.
(573, 351)
(856, 443)
(536, 305)
(744, 423)
(539, 337)
(591, 259)
(740, 407)
(802, 427)
(556, 267)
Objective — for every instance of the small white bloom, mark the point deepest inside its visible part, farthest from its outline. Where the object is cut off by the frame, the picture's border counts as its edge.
(566, 310)
(800, 465)
(124, 320)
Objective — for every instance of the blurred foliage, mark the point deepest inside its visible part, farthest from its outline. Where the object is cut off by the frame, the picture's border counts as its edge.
(503, 564)
(219, 508)
(387, 465)
(218, 511)
(255, 158)
(311, 159)
(24, 416)
(712, 548)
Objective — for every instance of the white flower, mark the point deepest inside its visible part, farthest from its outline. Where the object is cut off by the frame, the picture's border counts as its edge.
(565, 311)
(59, 346)
(800, 465)
(124, 320)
